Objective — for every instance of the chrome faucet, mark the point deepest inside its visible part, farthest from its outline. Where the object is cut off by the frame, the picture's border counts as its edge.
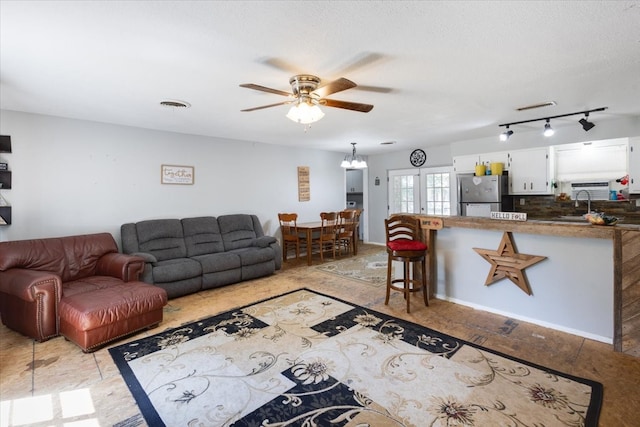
(588, 200)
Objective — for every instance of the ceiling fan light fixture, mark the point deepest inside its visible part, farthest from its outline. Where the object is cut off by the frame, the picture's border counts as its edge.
(305, 113)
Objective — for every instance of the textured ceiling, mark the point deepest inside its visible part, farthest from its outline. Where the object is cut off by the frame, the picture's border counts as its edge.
(436, 71)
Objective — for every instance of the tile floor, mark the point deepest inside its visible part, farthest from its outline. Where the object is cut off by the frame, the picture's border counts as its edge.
(55, 384)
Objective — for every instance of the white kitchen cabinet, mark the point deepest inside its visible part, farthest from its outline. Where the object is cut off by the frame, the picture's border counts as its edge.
(530, 171)
(634, 165)
(496, 157)
(467, 163)
(354, 181)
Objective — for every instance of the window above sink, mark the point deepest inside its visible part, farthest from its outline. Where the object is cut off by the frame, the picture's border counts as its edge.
(593, 160)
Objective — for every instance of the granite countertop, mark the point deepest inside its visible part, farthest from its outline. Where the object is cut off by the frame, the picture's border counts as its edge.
(540, 226)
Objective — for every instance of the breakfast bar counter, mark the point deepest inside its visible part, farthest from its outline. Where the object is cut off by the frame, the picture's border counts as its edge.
(585, 280)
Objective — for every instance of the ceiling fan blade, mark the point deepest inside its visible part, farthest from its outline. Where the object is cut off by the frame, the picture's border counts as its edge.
(364, 59)
(265, 89)
(281, 64)
(378, 89)
(334, 87)
(355, 106)
(268, 106)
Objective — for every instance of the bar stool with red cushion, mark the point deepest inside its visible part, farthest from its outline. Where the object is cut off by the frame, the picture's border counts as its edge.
(404, 245)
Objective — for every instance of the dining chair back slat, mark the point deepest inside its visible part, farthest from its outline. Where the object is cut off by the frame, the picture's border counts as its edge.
(290, 235)
(326, 240)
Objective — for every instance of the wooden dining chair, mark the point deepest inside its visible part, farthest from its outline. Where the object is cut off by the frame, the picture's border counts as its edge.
(347, 221)
(326, 240)
(290, 235)
(404, 245)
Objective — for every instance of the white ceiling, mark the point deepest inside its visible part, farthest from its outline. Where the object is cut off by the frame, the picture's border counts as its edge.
(436, 71)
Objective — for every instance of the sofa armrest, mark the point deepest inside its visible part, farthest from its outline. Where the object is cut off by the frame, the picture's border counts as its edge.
(124, 267)
(28, 285)
(29, 302)
(264, 241)
(147, 257)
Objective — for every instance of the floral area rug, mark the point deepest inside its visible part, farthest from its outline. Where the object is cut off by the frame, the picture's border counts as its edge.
(307, 359)
(370, 269)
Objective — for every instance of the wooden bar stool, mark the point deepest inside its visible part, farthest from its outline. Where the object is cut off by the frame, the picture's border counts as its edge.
(404, 245)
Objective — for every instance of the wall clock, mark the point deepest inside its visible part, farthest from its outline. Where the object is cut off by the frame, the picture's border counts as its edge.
(418, 157)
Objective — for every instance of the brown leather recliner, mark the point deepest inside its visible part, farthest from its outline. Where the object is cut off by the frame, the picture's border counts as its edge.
(81, 278)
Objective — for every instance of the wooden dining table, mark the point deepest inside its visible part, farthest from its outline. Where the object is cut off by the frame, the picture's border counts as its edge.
(308, 228)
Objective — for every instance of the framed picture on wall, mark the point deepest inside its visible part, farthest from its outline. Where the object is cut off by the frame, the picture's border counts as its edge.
(176, 174)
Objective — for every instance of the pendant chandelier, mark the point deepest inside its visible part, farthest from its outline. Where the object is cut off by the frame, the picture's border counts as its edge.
(353, 161)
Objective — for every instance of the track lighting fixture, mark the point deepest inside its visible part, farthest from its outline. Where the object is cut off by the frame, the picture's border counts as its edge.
(548, 130)
(504, 136)
(586, 124)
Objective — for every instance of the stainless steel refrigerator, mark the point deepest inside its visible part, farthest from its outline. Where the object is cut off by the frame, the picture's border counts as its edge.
(481, 195)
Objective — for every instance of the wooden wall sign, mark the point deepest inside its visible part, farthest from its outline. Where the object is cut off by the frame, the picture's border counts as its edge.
(506, 262)
(304, 189)
(174, 174)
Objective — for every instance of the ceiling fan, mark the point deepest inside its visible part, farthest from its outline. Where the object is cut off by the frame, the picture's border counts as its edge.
(307, 92)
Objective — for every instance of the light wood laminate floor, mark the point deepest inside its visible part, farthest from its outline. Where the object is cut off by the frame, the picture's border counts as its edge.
(56, 384)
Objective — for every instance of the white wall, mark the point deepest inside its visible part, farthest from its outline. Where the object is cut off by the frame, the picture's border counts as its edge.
(73, 177)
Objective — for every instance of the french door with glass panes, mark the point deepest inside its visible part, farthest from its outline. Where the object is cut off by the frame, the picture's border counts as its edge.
(430, 191)
(404, 191)
(439, 191)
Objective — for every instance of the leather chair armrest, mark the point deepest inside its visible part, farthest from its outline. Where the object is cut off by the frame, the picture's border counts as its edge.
(29, 302)
(29, 285)
(125, 267)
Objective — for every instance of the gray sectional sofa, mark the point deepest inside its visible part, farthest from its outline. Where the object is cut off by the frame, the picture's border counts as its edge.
(187, 255)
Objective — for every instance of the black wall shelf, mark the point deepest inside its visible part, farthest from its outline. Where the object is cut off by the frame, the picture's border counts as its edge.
(5, 180)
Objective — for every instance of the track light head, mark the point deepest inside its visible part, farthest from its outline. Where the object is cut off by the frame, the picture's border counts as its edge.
(548, 130)
(504, 136)
(586, 124)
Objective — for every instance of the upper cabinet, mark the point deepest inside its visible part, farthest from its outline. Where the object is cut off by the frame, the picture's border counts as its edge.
(354, 181)
(634, 165)
(530, 171)
(467, 163)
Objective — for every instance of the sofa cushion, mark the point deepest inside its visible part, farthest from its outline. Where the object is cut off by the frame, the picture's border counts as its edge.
(172, 270)
(92, 319)
(162, 238)
(250, 256)
(88, 284)
(222, 261)
(70, 257)
(239, 230)
(202, 236)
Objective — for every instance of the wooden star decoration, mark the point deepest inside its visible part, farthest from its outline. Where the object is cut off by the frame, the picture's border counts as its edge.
(506, 262)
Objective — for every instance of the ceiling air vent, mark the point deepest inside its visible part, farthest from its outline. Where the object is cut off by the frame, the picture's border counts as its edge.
(174, 103)
(534, 106)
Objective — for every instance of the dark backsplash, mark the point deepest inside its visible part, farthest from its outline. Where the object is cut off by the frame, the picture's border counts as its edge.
(547, 207)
